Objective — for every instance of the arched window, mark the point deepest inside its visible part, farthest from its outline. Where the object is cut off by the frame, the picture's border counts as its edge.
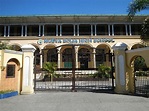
(52, 55)
(67, 58)
(84, 57)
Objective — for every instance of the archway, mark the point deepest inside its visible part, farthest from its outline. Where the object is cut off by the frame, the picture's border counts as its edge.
(136, 46)
(140, 74)
(84, 57)
(67, 58)
(12, 77)
(16, 47)
(103, 55)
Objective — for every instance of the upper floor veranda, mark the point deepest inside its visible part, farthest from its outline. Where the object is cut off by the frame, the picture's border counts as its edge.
(70, 25)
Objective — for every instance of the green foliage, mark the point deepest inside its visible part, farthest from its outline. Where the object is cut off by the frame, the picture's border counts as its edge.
(145, 29)
(141, 73)
(7, 91)
(4, 45)
(50, 67)
(139, 64)
(103, 71)
(137, 6)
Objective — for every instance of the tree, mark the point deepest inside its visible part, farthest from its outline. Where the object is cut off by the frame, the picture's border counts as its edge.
(139, 64)
(50, 67)
(104, 71)
(4, 45)
(137, 6)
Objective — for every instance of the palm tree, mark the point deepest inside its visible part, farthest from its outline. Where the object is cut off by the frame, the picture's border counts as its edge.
(50, 67)
(104, 71)
(137, 6)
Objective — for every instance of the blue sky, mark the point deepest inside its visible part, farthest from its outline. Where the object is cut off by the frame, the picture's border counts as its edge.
(56, 7)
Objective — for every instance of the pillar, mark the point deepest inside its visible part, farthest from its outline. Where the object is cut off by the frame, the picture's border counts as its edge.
(130, 30)
(56, 30)
(94, 58)
(8, 31)
(60, 30)
(126, 29)
(74, 30)
(91, 30)
(28, 76)
(112, 30)
(109, 30)
(22, 31)
(76, 54)
(120, 68)
(59, 58)
(78, 30)
(25, 30)
(42, 30)
(41, 59)
(95, 30)
(5, 27)
(39, 33)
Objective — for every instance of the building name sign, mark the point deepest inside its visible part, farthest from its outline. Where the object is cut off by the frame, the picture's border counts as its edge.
(75, 41)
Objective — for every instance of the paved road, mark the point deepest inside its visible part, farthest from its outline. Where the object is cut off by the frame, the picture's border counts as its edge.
(74, 101)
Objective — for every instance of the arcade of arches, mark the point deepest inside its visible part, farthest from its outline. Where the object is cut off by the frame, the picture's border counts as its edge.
(87, 57)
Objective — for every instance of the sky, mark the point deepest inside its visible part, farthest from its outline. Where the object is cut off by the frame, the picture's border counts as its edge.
(64, 7)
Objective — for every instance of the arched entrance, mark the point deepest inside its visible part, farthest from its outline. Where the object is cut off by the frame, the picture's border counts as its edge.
(77, 70)
(84, 58)
(140, 73)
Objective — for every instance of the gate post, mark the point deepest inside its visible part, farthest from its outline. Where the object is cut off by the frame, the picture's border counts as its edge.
(28, 77)
(120, 67)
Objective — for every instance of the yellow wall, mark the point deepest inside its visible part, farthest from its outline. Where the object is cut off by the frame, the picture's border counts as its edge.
(15, 58)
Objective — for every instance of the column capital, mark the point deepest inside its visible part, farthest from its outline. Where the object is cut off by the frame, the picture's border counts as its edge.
(28, 48)
(119, 46)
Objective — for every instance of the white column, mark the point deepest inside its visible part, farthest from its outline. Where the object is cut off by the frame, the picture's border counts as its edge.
(109, 29)
(76, 54)
(59, 58)
(126, 29)
(78, 30)
(120, 67)
(74, 30)
(91, 30)
(28, 76)
(130, 29)
(25, 30)
(22, 31)
(42, 30)
(39, 31)
(5, 27)
(8, 30)
(41, 58)
(112, 30)
(60, 30)
(56, 30)
(95, 30)
(94, 58)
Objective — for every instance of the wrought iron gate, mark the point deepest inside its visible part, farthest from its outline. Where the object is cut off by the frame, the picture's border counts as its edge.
(75, 79)
(142, 83)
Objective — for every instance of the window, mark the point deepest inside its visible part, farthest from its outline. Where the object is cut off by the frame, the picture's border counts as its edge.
(10, 70)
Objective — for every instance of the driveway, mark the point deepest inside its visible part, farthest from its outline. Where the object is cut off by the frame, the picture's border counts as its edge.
(74, 101)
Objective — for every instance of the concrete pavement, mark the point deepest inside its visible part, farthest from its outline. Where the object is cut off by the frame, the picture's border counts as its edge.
(74, 101)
